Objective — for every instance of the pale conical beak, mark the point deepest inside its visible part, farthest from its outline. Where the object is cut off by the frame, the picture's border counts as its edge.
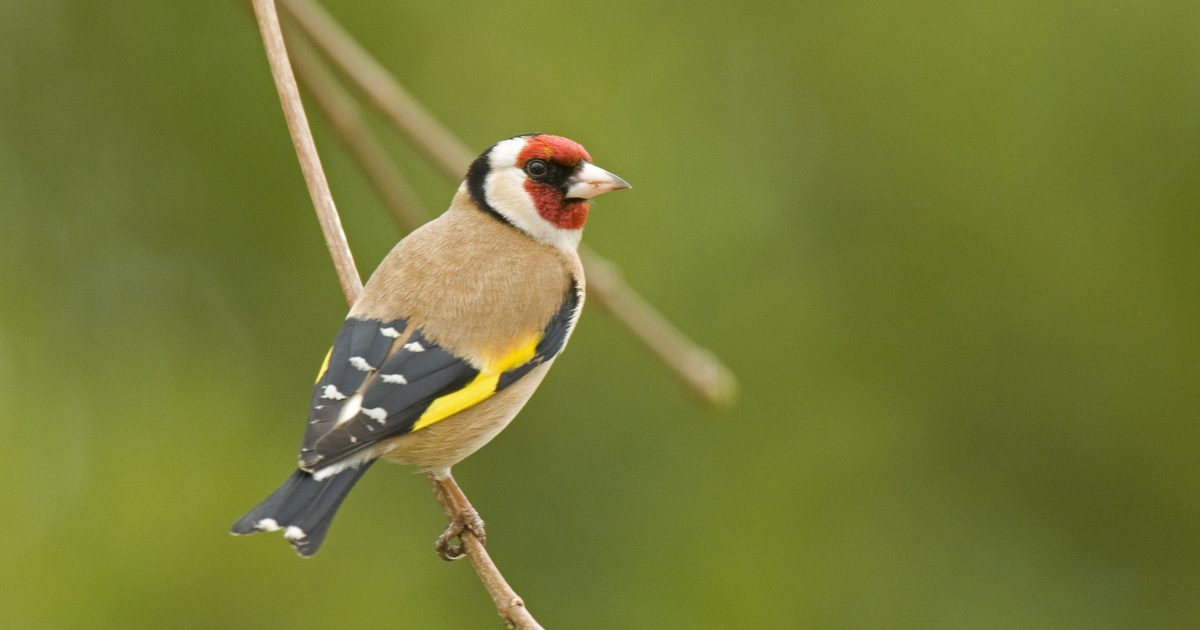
(591, 180)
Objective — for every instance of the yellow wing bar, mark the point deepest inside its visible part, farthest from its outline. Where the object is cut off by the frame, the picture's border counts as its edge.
(480, 388)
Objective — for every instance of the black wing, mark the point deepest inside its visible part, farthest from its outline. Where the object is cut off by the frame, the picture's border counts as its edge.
(382, 380)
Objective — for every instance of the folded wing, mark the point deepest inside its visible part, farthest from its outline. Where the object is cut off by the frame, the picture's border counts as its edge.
(384, 379)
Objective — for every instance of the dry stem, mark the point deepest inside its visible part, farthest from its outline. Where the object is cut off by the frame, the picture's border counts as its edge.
(306, 149)
(508, 604)
(698, 367)
(348, 123)
(381, 88)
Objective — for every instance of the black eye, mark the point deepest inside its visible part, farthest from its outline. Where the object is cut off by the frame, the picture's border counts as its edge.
(536, 168)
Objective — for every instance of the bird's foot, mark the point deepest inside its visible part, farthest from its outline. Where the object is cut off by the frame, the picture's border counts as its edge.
(466, 520)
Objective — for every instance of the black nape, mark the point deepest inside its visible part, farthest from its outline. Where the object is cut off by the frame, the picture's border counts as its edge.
(476, 178)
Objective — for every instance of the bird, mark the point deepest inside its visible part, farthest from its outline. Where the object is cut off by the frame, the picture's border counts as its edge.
(449, 338)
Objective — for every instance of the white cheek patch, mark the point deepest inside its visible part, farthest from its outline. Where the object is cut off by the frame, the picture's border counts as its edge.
(505, 191)
(505, 153)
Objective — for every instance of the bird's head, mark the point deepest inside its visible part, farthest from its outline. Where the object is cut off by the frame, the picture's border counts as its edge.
(541, 184)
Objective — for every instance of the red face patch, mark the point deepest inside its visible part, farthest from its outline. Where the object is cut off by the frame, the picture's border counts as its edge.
(553, 148)
(549, 203)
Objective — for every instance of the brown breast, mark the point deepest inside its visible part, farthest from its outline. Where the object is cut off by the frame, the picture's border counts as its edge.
(475, 285)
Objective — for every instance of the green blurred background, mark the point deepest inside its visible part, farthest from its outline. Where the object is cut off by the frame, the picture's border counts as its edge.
(950, 249)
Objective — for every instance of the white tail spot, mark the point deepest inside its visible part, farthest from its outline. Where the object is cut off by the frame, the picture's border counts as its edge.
(267, 525)
(294, 533)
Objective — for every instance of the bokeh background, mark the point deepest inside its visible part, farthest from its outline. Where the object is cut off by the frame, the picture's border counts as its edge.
(950, 249)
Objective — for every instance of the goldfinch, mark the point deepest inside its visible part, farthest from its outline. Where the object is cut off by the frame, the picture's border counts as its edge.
(450, 337)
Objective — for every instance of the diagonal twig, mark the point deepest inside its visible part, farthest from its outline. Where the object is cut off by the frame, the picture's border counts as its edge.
(351, 128)
(391, 186)
(381, 88)
(508, 604)
(306, 149)
(704, 374)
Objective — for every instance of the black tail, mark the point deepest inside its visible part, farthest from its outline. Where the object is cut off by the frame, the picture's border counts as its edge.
(302, 507)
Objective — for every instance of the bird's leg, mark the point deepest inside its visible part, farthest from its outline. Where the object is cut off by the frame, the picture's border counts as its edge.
(462, 515)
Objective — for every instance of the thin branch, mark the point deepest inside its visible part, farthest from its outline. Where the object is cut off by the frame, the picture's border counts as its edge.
(698, 367)
(351, 128)
(406, 209)
(306, 149)
(381, 88)
(508, 604)
(700, 370)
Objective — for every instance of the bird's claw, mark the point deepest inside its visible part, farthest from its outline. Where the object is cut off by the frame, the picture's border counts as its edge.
(465, 521)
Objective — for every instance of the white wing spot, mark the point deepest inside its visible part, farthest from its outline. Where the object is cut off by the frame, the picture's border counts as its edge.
(267, 525)
(361, 364)
(395, 379)
(331, 392)
(350, 409)
(353, 440)
(390, 332)
(414, 346)
(378, 414)
(294, 533)
(348, 463)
